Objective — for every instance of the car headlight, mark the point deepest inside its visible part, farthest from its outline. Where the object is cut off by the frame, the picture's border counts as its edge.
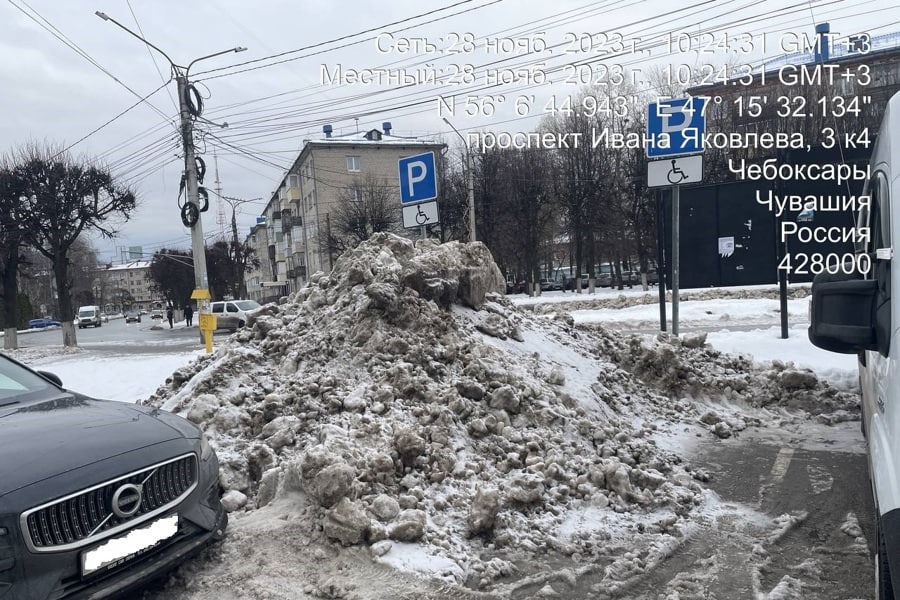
(205, 449)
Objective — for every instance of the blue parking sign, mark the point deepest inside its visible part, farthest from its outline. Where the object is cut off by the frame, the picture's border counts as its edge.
(418, 182)
(676, 127)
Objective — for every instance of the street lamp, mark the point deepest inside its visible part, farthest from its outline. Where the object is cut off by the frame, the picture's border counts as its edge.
(470, 182)
(201, 280)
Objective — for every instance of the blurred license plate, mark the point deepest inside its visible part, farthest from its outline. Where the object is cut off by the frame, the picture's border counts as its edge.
(118, 550)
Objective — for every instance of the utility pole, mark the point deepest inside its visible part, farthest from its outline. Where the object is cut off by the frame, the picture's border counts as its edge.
(190, 216)
(470, 182)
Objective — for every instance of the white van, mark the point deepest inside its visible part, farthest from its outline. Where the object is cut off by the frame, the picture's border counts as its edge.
(232, 314)
(853, 314)
(89, 315)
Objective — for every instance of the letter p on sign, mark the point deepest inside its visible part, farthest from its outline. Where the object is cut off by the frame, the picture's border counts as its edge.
(417, 178)
(415, 172)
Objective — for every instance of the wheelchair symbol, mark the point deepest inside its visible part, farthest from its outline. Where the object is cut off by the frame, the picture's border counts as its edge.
(421, 218)
(676, 175)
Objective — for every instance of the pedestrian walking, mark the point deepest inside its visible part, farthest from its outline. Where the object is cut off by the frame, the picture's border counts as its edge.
(188, 314)
(169, 315)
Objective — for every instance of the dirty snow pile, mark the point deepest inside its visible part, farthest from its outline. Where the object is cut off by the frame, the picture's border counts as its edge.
(688, 367)
(373, 396)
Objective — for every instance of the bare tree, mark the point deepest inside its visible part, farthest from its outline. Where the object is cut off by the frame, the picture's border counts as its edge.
(62, 198)
(366, 207)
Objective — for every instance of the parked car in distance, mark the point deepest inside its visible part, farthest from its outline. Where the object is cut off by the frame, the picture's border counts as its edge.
(571, 282)
(89, 315)
(43, 322)
(124, 494)
(132, 316)
(156, 314)
(232, 314)
(551, 285)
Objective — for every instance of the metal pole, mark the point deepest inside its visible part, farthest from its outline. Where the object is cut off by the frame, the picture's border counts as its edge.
(675, 258)
(780, 253)
(660, 259)
(471, 186)
(198, 248)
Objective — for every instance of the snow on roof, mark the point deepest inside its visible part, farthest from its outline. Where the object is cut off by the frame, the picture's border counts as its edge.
(134, 264)
(367, 137)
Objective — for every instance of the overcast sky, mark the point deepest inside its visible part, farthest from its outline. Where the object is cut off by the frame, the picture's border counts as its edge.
(52, 94)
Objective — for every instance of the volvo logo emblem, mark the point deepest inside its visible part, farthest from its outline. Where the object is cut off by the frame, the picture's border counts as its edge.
(126, 500)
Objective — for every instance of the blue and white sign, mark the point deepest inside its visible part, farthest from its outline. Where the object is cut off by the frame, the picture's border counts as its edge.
(418, 180)
(676, 127)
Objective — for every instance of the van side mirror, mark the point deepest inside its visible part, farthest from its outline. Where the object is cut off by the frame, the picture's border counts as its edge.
(842, 313)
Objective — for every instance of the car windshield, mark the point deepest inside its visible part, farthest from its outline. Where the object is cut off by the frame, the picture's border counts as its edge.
(247, 304)
(86, 312)
(16, 381)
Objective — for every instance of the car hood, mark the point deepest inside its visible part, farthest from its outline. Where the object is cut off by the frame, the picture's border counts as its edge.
(48, 437)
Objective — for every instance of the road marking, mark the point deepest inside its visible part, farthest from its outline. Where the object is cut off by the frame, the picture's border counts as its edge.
(781, 464)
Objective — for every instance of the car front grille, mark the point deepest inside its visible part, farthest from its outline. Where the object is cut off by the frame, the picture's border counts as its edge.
(88, 515)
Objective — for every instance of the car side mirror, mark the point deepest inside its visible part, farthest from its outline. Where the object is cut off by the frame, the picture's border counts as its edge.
(842, 313)
(52, 377)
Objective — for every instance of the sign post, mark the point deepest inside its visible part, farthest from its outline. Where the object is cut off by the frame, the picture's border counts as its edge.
(675, 128)
(418, 187)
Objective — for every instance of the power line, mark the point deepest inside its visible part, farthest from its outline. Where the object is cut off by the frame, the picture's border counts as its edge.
(152, 57)
(127, 110)
(59, 35)
(344, 37)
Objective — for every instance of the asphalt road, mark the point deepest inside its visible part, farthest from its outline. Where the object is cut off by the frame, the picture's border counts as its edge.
(118, 337)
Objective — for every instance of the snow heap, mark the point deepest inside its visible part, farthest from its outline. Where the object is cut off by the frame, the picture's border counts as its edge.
(401, 400)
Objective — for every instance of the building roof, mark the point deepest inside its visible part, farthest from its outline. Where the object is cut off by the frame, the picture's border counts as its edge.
(373, 136)
(134, 264)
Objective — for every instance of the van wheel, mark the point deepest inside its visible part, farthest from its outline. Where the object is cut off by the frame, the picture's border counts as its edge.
(884, 587)
(240, 324)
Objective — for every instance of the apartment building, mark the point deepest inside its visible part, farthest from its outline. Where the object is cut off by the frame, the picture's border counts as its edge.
(301, 212)
(258, 240)
(126, 286)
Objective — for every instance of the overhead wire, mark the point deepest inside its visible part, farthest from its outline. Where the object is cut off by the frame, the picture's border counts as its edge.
(152, 56)
(115, 118)
(59, 35)
(341, 38)
(430, 97)
(594, 8)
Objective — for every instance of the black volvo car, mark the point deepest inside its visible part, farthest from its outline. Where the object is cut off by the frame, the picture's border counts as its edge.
(96, 497)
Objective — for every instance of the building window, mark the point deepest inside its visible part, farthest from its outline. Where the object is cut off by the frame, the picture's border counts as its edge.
(353, 164)
(293, 181)
(355, 194)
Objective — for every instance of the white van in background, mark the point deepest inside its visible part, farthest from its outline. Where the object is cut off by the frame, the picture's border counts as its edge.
(854, 314)
(89, 315)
